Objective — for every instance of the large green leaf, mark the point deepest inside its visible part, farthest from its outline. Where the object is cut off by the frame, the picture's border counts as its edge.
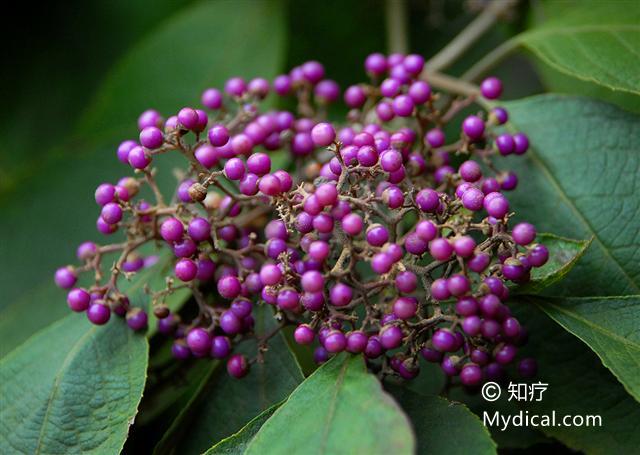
(579, 181)
(563, 255)
(582, 171)
(341, 408)
(237, 443)
(592, 41)
(72, 388)
(433, 417)
(609, 325)
(578, 384)
(224, 404)
(47, 216)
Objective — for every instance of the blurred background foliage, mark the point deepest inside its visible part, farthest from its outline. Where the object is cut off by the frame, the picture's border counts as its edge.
(76, 75)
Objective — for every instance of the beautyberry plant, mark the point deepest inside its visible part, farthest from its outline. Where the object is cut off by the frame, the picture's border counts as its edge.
(387, 236)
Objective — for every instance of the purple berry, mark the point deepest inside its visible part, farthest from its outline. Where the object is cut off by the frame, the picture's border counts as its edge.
(211, 99)
(237, 366)
(288, 299)
(78, 299)
(220, 347)
(528, 368)
(496, 205)
(471, 374)
(440, 289)
(374, 348)
(523, 233)
(320, 355)
(427, 200)
(65, 277)
(98, 313)
(304, 334)
(356, 342)
(521, 143)
(151, 137)
(335, 341)
(458, 284)
(391, 337)
(352, 224)
(111, 213)
(406, 282)
(440, 249)
(229, 287)
(180, 351)
(340, 295)
(234, 169)
(491, 88)
(354, 96)
(538, 255)
(323, 134)
(230, 323)
(473, 127)
(405, 307)
(312, 281)
(470, 171)
(171, 230)
(377, 235)
(505, 144)
(186, 269)
(137, 319)
(505, 354)
(473, 199)
(444, 340)
(435, 138)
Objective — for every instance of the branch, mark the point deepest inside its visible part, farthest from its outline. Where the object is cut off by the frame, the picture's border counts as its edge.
(469, 35)
(397, 26)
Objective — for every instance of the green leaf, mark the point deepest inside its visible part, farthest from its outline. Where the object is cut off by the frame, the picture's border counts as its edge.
(578, 384)
(201, 46)
(582, 171)
(579, 181)
(558, 82)
(224, 404)
(594, 41)
(341, 408)
(442, 426)
(164, 71)
(237, 443)
(563, 255)
(72, 388)
(610, 326)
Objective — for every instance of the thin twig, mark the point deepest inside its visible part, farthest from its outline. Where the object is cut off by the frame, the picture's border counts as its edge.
(465, 39)
(397, 26)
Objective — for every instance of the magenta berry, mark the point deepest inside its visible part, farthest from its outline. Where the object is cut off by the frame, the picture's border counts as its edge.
(491, 88)
(340, 295)
(237, 366)
(391, 336)
(78, 299)
(473, 127)
(229, 287)
(65, 277)
(98, 313)
(137, 319)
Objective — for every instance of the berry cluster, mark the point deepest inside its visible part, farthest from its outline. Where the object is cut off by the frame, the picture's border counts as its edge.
(388, 236)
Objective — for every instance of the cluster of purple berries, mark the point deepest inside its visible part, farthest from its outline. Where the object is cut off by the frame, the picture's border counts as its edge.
(388, 237)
